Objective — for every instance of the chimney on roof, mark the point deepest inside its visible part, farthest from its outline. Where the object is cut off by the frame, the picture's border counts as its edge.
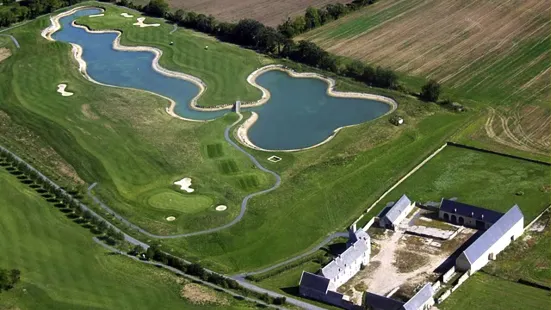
(482, 216)
(472, 214)
(455, 210)
(354, 227)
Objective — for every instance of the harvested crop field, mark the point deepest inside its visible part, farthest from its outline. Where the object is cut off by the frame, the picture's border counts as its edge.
(495, 51)
(271, 13)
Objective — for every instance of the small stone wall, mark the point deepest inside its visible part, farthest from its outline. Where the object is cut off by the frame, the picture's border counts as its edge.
(460, 281)
(444, 296)
(436, 286)
(448, 275)
(369, 224)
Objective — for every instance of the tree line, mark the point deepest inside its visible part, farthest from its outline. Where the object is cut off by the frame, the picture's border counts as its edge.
(66, 200)
(251, 34)
(155, 253)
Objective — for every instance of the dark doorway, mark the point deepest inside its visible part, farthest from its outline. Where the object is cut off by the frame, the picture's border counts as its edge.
(480, 225)
(453, 219)
(446, 217)
(461, 220)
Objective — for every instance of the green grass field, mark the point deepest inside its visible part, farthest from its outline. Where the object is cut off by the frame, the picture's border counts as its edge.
(528, 258)
(223, 67)
(481, 179)
(484, 292)
(136, 151)
(62, 268)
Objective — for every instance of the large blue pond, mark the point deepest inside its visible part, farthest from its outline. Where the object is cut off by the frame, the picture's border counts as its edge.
(299, 113)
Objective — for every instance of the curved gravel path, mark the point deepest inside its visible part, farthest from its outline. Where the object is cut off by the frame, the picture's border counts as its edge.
(206, 231)
(173, 29)
(12, 38)
(290, 260)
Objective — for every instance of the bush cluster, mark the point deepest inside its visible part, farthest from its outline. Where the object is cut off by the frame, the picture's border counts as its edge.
(8, 278)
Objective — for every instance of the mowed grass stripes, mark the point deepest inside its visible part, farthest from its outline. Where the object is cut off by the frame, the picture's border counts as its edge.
(62, 268)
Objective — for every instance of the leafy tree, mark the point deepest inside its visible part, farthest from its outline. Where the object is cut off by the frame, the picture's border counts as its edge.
(355, 69)
(156, 8)
(287, 28)
(179, 16)
(246, 32)
(299, 24)
(336, 10)
(312, 18)
(430, 91)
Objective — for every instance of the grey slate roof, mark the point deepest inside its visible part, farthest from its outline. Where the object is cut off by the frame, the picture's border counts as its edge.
(420, 298)
(350, 255)
(466, 210)
(397, 209)
(344, 261)
(493, 234)
(314, 282)
(381, 302)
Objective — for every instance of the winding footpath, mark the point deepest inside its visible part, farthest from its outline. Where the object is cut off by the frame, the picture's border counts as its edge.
(12, 38)
(135, 241)
(206, 231)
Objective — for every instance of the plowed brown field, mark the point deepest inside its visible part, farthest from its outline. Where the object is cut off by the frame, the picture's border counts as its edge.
(495, 52)
(269, 12)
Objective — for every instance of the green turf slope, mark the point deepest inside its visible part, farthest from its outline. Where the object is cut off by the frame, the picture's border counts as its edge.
(122, 139)
(62, 268)
(223, 67)
(484, 292)
(481, 179)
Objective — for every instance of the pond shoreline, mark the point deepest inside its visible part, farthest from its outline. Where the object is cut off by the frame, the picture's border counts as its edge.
(241, 135)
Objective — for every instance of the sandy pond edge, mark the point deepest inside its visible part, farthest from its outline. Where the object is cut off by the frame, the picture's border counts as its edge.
(241, 135)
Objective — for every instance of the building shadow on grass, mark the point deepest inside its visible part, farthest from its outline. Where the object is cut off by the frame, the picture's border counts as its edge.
(450, 261)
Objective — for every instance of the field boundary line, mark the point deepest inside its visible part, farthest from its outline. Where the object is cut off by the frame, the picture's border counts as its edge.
(473, 148)
(537, 218)
(402, 180)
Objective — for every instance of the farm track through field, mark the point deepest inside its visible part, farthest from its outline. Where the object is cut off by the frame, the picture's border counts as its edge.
(513, 134)
(206, 231)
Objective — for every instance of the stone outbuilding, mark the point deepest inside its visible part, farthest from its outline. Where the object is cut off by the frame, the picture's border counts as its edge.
(495, 239)
(391, 217)
(466, 215)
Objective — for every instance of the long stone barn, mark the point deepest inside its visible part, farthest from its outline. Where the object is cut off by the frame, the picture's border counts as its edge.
(501, 230)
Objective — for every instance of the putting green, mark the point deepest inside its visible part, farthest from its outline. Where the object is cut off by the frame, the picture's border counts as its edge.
(185, 203)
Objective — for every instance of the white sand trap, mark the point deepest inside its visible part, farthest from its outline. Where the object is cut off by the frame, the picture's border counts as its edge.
(185, 184)
(126, 15)
(141, 24)
(171, 218)
(97, 15)
(61, 89)
(221, 208)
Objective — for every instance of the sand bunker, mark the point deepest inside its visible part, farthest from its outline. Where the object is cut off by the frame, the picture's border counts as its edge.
(4, 53)
(126, 15)
(185, 184)
(171, 218)
(221, 208)
(97, 15)
(141, 24)
(61, 89)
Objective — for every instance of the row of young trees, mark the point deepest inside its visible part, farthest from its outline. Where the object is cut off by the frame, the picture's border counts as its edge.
(314, 17)
(66, 200)
(277, 42)
(155, 253)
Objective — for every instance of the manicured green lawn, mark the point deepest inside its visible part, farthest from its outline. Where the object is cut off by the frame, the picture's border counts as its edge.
(124, 140)
(486, 292)
(62, 268)
(481, 179)
(223, 67)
